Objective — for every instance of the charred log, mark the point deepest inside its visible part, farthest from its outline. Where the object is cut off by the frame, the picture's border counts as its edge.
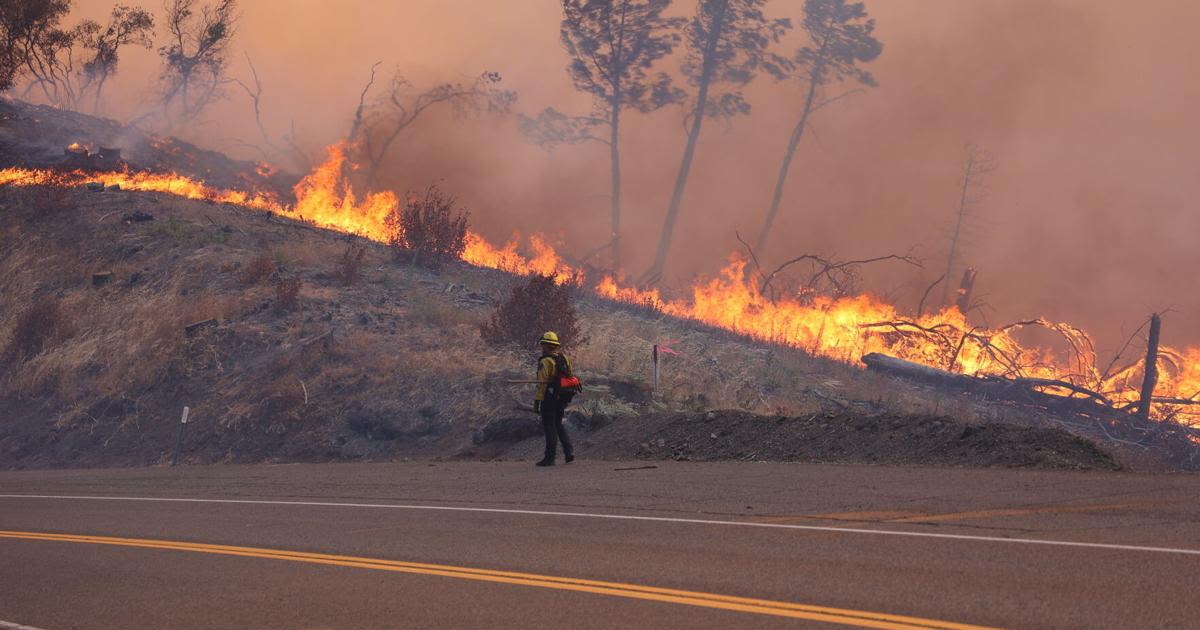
(1150, 379)
(965, 289)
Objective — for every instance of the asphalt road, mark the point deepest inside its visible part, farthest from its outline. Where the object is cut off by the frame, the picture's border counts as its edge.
(596, 545)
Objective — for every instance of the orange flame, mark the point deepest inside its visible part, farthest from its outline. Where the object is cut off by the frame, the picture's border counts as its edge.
(326, 199)
(839, 328)
(847, 328)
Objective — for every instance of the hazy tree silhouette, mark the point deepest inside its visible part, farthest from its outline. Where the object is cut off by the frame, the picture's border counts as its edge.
(840, 36)
(195, 59)
(377, 129)
(66, 64)
(102, 44)
(27, 30)
(727, 45)
(976, 167)
(613, 45)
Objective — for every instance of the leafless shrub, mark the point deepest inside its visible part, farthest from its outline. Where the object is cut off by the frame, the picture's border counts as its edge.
(287, 293)
(38, 325)
(258, 269)
(428, 227)
(539, 305)
(349, 269)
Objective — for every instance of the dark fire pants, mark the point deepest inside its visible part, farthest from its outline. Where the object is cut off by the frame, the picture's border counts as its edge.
(552, 424)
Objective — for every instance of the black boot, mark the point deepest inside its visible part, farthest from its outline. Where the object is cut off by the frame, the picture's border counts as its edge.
(568, 457)
(546, 461)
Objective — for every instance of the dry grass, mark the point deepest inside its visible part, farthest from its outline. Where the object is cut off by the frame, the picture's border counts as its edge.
(349, 268)
(435, 312)
(42, 323)
(287, 293)
(261, 267)
(405, 353)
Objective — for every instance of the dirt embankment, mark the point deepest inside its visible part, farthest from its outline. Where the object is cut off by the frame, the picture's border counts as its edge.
(843, 438)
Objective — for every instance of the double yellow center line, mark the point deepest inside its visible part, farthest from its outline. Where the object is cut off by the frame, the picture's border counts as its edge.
(842, 616)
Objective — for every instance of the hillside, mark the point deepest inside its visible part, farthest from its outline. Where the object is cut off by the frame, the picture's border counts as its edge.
(121, 307)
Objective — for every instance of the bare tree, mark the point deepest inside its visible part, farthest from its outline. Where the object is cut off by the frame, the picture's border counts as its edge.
(195, 59)
(33, 44)
(978, 165)
(22, 24)
(840, 36)
(352, 137)
(24, 27)
(65, 65)
(403, 106)
(613, 45)
(272, 150)
(102, 45)
(727, 43)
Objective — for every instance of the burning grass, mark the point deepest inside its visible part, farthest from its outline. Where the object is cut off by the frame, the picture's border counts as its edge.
(136, 322)
(392, 366)
(841, 328)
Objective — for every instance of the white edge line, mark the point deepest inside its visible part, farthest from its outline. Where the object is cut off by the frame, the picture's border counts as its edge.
(627, 517)
(8, 625)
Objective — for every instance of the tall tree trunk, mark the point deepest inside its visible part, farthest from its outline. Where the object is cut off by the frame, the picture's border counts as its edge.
(615, 153)
(793, 142)
(99, 89)
(664, 243)
(954, 238)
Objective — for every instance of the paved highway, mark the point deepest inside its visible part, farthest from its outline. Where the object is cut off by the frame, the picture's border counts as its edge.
(596, 545)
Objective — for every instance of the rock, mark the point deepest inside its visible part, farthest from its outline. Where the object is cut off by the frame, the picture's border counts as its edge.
(138, 217)
(192, 329)
(95, 186)
(113, 187)
(101, 278)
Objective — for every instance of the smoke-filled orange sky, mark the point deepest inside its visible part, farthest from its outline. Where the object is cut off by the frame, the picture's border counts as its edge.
(1087, 106)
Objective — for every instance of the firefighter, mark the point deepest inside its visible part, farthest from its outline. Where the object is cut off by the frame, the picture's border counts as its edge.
(556, 386)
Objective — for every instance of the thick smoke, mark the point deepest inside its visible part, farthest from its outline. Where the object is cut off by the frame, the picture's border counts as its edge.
(1085, 104)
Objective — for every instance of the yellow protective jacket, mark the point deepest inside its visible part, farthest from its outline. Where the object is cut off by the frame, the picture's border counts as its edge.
(547, 373)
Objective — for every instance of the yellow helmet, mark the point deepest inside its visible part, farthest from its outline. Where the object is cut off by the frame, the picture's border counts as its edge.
(550, 338)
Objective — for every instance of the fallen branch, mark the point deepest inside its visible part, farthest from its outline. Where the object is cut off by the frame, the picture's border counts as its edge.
(925, 295)
(831, 267)
(1046, 382)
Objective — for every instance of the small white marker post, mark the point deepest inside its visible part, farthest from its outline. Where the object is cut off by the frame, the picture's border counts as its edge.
(179, 435)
